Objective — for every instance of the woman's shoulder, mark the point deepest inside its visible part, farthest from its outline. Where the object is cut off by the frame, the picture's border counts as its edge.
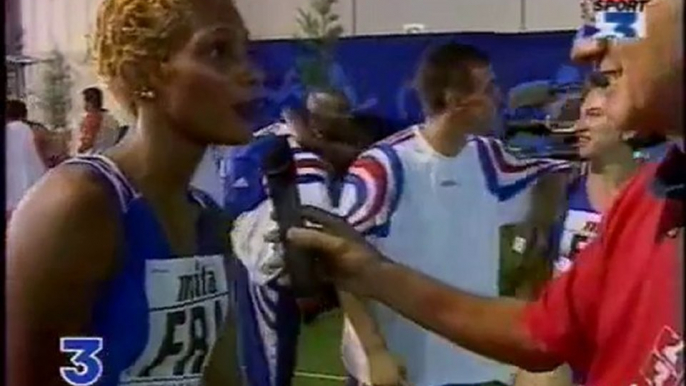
(72, 215)
(75, 186)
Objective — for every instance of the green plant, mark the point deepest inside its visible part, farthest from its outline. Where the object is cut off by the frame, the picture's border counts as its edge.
(55, 100)
(88, 56)
(320, 30)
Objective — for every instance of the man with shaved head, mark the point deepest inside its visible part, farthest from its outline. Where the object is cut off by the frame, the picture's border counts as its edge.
(616, 316)
(330, 129)
(323, 139)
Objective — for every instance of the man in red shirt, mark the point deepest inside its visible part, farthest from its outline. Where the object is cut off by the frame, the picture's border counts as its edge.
(616, 316)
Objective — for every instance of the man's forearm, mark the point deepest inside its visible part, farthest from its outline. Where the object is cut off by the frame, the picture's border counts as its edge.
(384, 369)
(490, 327)
(223, 367)
(359, 316)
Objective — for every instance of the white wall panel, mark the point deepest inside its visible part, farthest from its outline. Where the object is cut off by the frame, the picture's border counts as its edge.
(57, 24)
(269, 19)
(61, 25)
(64, 24)
(388, 16)
(547, 15)
(275, 19)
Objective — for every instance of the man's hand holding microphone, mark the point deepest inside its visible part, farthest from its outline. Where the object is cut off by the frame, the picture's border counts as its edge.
(491, 327)
(342, 255)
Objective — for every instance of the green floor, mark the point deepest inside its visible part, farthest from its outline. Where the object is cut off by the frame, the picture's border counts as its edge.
(319, 357)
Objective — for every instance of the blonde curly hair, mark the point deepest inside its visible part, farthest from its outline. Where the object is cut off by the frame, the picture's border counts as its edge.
(133, 37)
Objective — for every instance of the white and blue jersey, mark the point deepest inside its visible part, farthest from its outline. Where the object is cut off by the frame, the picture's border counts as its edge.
(159, 315)
(579, 225)
(269, 316)
(581, 221)
(441, 216)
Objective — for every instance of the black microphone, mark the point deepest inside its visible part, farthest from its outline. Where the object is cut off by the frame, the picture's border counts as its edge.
(279, 168)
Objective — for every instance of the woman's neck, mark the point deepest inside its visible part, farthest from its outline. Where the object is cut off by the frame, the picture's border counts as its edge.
(615, 167)
(160, 161)
(608, 173)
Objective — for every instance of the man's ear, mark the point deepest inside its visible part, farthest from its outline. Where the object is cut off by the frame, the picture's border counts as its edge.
(456, 100)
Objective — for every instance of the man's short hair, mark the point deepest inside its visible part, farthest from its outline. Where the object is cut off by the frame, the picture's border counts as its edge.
(93, 95)
(329, 104)
(447, 67)
(16, 110)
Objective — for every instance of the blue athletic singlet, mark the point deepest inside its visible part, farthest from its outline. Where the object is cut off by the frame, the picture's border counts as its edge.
(160, 314)
(580, 224)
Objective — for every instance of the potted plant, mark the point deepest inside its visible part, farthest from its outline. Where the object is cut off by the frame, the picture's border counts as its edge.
(55, 101)
(320, 30)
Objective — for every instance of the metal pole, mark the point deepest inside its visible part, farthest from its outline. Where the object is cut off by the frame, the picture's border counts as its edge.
(522, 15)
(354, 18)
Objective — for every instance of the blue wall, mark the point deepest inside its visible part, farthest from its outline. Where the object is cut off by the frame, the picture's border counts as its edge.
(376, 72)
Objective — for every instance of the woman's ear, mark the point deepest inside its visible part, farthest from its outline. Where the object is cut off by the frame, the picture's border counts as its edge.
(158, 78)
(628, 135)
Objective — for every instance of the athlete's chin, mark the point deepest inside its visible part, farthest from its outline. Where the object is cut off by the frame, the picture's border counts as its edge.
(585, 151)
(238, 133)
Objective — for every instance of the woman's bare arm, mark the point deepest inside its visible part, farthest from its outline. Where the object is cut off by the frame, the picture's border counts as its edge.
(61, 246)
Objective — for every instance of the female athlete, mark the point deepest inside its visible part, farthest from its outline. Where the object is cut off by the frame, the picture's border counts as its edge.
(115, 246)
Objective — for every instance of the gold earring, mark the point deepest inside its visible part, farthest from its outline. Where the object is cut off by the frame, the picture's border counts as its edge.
(628, 135)
(145, 94)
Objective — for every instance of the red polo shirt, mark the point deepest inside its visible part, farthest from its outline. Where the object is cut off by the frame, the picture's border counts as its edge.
(616, 316)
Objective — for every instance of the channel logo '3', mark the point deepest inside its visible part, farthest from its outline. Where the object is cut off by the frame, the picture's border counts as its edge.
(84, 352)
(619, 25)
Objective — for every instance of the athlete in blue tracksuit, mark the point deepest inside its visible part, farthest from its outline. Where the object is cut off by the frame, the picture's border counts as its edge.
(269, 315)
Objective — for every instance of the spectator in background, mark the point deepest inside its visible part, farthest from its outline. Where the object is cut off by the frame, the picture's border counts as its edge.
(98, 129)
(41, 137)
(24, 165)
(52, 146)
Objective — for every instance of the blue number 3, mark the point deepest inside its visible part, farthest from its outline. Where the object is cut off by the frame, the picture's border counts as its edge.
(623, 22)
(87, 367)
